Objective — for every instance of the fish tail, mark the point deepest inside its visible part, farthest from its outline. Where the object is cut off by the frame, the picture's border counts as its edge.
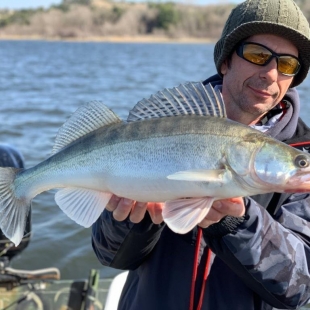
(13, 209)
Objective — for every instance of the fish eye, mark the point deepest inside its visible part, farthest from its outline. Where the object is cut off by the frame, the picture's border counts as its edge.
(301, 161)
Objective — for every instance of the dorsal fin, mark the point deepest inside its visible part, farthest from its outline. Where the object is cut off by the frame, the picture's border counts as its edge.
(186, 99)
(84, 120)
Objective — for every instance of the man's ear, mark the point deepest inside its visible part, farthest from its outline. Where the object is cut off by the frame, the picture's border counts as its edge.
(224, 67)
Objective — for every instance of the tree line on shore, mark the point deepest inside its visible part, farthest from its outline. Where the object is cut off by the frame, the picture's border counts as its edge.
(86, 19)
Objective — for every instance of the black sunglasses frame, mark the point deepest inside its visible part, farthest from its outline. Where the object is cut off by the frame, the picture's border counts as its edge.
(239, 52)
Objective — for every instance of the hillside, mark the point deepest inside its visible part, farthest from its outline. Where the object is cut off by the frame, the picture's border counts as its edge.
(111, 20)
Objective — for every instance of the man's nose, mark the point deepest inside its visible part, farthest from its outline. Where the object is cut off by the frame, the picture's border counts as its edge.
(270, 71)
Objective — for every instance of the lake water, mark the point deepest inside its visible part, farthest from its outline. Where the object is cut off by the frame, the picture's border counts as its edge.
(43, 83)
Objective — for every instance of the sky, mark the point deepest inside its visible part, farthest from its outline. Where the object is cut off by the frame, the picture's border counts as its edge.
(26, 4)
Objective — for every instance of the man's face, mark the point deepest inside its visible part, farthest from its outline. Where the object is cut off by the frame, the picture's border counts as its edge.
(249, 90)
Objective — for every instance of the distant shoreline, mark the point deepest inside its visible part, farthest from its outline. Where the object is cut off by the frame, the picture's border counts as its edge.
(114, 39)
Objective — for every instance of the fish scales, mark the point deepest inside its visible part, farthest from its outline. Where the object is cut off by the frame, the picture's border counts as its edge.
(109, 156)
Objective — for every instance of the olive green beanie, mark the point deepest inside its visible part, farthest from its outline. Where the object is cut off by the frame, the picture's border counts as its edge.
(278, 17)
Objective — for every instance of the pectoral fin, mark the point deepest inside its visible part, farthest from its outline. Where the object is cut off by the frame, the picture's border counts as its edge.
(216, 175)
(182, 215)
(84, 206)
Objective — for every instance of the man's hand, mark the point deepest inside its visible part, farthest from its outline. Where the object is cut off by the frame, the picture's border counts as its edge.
(221, 208)
(122, 207)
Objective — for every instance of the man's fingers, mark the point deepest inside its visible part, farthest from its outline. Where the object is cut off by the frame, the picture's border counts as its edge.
(233, 207)
(113, 203)
(138, 212)
(123, 209)
(212, 217)
(155, 211)
(221, 208)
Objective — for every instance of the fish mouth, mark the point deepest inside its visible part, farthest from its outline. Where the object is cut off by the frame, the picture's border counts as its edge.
(299, 183)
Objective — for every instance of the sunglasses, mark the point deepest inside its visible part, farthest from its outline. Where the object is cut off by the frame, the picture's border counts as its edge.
(261, 55)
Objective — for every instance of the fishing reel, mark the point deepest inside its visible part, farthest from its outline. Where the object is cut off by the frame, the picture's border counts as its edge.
(10, 157)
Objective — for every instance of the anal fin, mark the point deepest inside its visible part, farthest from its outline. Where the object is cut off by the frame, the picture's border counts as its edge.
(182, 215)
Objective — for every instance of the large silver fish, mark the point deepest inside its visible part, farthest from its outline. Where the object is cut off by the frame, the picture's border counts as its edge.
(177, 147)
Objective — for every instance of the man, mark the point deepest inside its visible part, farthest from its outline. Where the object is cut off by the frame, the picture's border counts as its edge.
(248, 253)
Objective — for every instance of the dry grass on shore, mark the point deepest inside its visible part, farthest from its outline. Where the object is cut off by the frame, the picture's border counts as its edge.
(115, 39)
(105, 20)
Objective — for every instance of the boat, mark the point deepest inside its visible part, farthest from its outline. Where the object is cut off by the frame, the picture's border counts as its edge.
(43, 289)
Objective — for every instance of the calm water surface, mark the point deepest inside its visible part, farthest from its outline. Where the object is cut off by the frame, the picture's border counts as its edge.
(43, 83)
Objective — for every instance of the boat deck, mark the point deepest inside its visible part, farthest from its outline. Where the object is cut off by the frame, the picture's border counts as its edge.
(55, 294)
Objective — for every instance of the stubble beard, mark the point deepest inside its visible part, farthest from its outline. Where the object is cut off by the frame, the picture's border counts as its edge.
(255, 106)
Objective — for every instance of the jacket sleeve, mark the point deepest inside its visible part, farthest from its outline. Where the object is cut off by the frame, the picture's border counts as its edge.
(124, 245)
(271, 254)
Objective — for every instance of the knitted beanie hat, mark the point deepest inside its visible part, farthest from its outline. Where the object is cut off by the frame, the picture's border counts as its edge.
(278, 17)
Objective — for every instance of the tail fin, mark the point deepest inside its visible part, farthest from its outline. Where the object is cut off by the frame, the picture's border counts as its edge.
(13, 211)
